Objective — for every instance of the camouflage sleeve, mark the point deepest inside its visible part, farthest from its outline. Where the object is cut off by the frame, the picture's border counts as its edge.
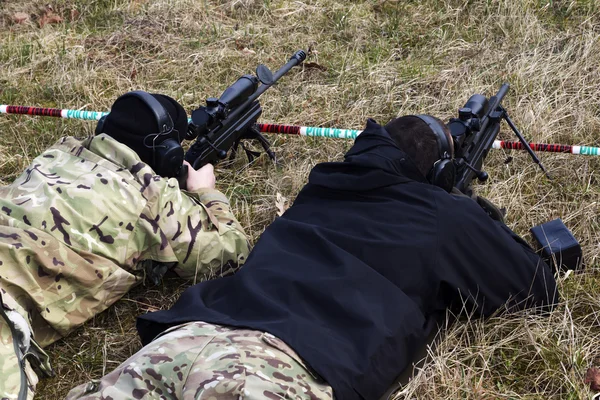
(218, 206)
(207, 239)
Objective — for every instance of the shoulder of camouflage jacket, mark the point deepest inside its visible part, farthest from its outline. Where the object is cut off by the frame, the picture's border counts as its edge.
(94, 195)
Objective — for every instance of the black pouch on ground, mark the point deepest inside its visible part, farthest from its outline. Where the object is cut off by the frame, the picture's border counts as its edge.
(559, 246)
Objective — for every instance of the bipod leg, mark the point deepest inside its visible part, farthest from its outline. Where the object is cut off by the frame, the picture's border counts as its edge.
(255, 134)
(525, 143)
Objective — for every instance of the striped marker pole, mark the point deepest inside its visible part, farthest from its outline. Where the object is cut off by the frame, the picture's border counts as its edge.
(310, 131)
(51, 112)
(352, 134)
(552, 148)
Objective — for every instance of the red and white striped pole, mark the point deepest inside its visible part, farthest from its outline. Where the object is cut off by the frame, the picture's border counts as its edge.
(310, 131)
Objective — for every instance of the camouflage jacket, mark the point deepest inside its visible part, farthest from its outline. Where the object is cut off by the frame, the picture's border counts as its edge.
(87, 219)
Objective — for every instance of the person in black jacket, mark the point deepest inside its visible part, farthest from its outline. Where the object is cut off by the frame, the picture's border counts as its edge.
(341, 290)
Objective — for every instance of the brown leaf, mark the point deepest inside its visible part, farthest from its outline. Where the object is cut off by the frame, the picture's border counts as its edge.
(133, 73)
(137, 4)
(280, 203)
(314, 65)
(74, 14)
(239, 44)
(49, 18)
(20, 17)
(592, 377)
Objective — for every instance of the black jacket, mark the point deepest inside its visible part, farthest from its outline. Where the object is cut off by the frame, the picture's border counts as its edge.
(353, 274)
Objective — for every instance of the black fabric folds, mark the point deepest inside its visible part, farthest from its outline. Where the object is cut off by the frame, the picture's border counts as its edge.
(352, 275)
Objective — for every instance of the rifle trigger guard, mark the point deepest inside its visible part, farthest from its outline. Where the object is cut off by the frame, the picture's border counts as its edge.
(234, 149)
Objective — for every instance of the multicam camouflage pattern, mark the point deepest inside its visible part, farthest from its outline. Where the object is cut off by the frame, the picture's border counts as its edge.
(11, 381)
(203, 361)
(79, 226)
(23, 351)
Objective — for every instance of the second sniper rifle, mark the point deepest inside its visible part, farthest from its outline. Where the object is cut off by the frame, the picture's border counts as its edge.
(474, 132)
(224, 122)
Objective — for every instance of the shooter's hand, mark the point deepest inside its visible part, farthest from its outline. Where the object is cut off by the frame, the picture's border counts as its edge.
(204, 178)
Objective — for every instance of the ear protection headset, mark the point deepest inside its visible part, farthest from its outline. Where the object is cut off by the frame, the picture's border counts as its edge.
(167, 154)
(443, 172)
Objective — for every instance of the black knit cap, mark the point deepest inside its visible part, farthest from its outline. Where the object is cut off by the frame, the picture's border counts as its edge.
(130, 120)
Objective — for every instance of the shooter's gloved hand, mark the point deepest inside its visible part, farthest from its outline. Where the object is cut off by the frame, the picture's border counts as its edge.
(490, 208)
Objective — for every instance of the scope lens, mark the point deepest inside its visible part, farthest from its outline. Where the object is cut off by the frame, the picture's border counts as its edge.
(457, 128)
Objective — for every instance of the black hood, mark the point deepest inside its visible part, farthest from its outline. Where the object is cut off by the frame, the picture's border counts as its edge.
(375, 161)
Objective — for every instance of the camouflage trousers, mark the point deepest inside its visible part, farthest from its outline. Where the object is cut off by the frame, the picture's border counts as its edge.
(203, 361)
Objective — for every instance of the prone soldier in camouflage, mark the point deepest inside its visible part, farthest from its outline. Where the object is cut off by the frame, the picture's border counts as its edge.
(85, 222)
(201, 361)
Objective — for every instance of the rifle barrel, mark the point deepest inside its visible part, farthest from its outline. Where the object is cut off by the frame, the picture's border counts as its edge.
(296, 59)
(495, 102)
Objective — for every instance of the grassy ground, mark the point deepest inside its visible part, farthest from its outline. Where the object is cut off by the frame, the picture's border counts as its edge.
(369, 58)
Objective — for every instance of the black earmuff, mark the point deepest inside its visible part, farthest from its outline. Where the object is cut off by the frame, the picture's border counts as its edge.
(443, 172)
(167, 154)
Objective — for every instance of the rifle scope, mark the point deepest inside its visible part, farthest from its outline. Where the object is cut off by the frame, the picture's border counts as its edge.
(476, 105)
(237, 93)
(217, 109)
(469, 119)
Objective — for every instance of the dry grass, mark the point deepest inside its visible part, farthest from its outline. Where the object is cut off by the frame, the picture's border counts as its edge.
(382, 59)
(523, 356)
